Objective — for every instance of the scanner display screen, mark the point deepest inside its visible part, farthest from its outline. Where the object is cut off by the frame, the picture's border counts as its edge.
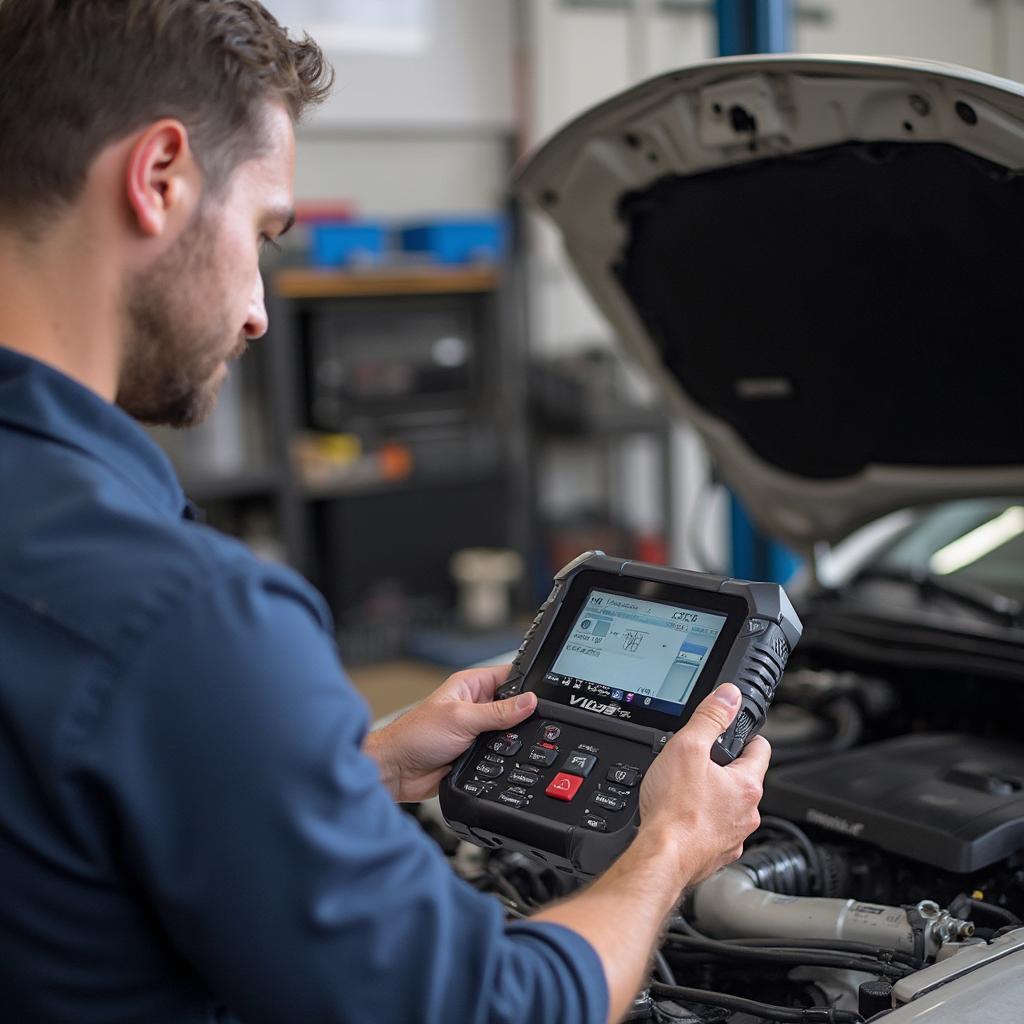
(636, 652)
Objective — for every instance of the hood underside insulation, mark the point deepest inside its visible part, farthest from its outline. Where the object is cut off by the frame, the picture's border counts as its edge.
(842, 307)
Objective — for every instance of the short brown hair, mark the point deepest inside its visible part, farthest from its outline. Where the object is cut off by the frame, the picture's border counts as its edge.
(76, 75)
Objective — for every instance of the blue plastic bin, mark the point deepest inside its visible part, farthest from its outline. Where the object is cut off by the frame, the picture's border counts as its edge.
(457, 240)
(357, 243)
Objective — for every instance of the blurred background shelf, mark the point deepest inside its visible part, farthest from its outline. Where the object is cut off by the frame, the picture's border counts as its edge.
(310, 283)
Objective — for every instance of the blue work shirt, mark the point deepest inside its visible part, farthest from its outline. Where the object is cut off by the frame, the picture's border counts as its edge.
(189, 830)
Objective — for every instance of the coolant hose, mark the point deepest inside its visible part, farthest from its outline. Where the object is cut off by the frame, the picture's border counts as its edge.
(730, 904)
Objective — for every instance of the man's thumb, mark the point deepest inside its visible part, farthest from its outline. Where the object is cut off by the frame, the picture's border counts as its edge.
(503, 714)
(715, 713)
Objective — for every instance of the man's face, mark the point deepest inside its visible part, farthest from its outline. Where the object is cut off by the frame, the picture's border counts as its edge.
(200, 302)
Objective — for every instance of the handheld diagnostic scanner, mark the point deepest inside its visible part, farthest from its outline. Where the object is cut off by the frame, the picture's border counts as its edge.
(619, 655)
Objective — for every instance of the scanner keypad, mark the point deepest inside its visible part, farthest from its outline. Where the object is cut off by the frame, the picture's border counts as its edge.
(560, 771)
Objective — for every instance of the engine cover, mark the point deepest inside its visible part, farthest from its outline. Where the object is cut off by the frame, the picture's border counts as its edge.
(955, 802)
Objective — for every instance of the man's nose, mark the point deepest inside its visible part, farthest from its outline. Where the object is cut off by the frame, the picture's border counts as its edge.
(256, 320)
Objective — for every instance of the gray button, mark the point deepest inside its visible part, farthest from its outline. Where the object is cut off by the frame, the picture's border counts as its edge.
(579, 763)
(623, 776)
(542, 756)
(611, 803)
(596, 823)
(491, 771)
(509, 744)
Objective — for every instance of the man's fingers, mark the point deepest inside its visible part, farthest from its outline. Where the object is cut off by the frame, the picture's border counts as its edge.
(755, 757)
(514, 710)
(714, 714)
(475, 684)
(502, 714)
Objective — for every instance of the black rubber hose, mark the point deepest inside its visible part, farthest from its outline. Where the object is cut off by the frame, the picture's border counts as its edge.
(849, 726)
(990, 909)
(838, 945)
(794, 957)
(787, 960)
(662, 970)
(810, 850)
(785, 1014)
(680, 924)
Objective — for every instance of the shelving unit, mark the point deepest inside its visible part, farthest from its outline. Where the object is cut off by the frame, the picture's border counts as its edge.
(273, 400)
(298, 291)
(299, 283)
(583, 416)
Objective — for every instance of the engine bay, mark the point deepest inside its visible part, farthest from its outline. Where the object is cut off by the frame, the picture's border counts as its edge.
(889, 864)
(887, 879)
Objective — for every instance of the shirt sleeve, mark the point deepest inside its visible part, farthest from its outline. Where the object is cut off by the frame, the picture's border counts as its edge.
(273, 856)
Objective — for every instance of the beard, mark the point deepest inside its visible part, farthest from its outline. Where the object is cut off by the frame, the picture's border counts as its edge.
(175, 342)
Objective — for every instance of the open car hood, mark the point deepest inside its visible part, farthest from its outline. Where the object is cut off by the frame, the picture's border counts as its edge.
(821, 261)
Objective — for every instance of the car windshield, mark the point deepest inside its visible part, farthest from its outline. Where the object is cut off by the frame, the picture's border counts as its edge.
(979, 542)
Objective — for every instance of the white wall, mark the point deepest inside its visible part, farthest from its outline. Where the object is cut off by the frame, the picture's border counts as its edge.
(461, 74)
(396, 174)
(983, 34)
(419, 131)
(580, 56)
(961, 31)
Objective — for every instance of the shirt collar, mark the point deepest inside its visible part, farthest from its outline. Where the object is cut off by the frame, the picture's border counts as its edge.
(35, 397)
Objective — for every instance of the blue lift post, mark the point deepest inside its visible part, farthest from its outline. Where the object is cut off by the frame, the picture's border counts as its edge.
(755, 26)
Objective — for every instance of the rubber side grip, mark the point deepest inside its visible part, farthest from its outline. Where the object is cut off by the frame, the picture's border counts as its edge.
(757, 677)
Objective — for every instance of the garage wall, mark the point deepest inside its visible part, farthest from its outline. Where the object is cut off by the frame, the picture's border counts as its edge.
(983, 34)
(581, 54)
(394, 174)
(961, 31)
(417, 131)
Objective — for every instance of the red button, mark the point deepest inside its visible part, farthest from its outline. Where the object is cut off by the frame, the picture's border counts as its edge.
(563, 786)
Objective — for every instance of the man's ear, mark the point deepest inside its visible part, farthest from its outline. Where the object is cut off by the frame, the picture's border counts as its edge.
(163, 180)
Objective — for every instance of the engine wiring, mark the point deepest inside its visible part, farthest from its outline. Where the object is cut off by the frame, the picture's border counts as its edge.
(839, 945)
(687, 945)
(523, 886)
(767, 1011)
(661, 970)
(792, 956)
(683, 934)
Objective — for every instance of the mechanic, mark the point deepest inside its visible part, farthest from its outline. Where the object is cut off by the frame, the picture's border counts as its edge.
(194, 821)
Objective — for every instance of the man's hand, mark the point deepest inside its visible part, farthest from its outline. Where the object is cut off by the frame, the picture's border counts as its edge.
(417, 751)
(694, 816)
(706, 809)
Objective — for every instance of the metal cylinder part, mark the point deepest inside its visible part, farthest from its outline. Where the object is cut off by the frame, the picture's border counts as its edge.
(730, 905)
